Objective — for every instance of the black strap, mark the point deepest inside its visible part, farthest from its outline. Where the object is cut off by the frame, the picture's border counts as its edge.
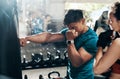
(118, 61)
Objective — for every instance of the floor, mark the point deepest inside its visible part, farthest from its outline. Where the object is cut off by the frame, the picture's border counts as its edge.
(34, 73)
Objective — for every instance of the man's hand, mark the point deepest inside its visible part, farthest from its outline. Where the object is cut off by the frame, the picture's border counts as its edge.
(71, 34)
(23, 42)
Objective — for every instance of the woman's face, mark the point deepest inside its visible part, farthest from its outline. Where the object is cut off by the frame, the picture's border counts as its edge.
(113, 22)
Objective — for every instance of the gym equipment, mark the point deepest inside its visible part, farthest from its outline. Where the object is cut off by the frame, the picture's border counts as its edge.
(58, 61)
(49, 60)
(41, 77)
(51, 75)
(10, 59)
(25, 76)
(41, 61)
(65, 60)
(24, 62)
(34, 60)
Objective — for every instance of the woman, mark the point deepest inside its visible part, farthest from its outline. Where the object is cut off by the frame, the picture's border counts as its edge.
(111, 58)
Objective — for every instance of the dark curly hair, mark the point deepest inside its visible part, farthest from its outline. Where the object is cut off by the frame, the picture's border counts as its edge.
(116, 9)
(73, 16)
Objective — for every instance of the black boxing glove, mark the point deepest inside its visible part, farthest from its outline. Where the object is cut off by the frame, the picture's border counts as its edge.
(105, 39)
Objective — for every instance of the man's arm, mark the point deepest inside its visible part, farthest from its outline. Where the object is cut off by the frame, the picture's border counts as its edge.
(78, 57)
(44, 38)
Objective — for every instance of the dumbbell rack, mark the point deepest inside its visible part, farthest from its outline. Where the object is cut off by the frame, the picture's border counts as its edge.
(51, 56)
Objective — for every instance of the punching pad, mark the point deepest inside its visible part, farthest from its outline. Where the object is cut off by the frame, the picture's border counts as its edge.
(10, 61)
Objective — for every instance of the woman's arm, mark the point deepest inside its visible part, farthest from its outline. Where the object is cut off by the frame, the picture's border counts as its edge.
(109, 58)
(98, 55)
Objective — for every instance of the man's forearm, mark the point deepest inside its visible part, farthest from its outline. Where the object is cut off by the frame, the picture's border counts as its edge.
(46, 37)
(74, 56)
(39, 38)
